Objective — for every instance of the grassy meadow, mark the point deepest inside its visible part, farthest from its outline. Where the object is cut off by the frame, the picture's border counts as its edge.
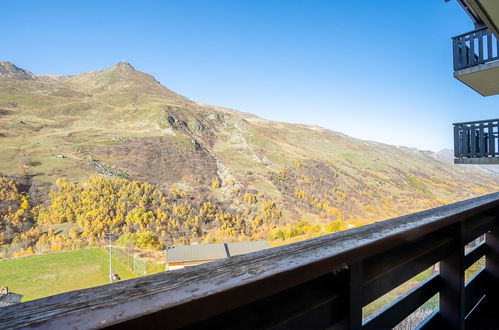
(45, 275)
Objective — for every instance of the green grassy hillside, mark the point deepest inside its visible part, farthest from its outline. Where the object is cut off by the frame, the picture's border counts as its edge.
(41, 276)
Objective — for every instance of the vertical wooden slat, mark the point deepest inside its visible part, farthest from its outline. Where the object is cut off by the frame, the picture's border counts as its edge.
(472, 49)
(473, 140)
(492, 257)
(496, 140)
(492, 147)
(489, 45)
(355, 296)
(480, 47)
(455, 47)
(464, 51)
(457, 147)
(466, 138)
(452, 302)
(481, 140)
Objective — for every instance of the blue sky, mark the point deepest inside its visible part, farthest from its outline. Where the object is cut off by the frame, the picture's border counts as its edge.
(377, 70)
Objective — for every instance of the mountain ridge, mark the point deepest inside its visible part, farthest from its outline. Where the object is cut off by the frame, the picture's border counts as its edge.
(8, 69)
(122, 123)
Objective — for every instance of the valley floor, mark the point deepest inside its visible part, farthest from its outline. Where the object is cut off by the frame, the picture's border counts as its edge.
(44, 275)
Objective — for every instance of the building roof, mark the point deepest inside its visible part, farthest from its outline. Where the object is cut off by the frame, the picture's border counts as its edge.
(216, 251)
(238, 248)
(10, 299)
(196, 252)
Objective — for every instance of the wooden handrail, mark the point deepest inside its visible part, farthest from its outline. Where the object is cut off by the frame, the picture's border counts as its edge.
(476, 122)
(320, 271)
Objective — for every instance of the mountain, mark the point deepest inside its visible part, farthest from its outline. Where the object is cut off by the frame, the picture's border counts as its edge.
(122, 123)
(8, 69)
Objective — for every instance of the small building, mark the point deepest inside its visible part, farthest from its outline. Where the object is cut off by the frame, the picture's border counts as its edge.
(178, 257)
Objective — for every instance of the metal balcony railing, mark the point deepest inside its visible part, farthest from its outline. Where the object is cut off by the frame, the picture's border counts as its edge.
(476, 139)
(473, 48)
(316, 284)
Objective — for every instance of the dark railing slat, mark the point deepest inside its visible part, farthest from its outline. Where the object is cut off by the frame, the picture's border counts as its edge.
(455, 48)
(466, 138)
(401, 266)
(475, 289)
(355, 296)
(492, 147)
(480, 48)
(464, 53)
(474, 255)
(452, 273)
(473, 140)
(481, 140)
(432, 322)
(398, 310)
(472, 50)
(489, 45)
(314, 305)
(476, 226)
(492, 257)
(457, 151)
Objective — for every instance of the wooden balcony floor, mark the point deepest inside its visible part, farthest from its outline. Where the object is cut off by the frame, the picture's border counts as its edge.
(478, 161)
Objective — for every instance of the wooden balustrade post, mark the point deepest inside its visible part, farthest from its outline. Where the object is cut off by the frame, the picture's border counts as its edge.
(492, 258)
(457, 144)
(355, 296)
(452, 303)
(492, 148)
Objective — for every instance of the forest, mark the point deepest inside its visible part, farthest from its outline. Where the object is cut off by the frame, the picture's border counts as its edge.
(316, 198)
(136, 214)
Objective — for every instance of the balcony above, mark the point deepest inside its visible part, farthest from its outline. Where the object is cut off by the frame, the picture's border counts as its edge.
(476, 60)
(477, 142)
(483, 13)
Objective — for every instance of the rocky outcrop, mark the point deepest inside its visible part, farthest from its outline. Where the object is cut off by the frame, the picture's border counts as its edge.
(8, 69)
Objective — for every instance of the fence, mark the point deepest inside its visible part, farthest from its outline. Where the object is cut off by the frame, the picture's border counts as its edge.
(127, 257)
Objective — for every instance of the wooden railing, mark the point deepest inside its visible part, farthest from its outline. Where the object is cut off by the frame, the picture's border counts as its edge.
(476, 139)
(313, 284)
(475, 47)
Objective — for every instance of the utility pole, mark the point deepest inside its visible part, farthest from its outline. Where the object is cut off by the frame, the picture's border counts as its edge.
(110, 258)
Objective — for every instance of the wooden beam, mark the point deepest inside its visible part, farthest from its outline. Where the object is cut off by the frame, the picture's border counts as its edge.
(492, 257)
(452, 303)
(355, 296)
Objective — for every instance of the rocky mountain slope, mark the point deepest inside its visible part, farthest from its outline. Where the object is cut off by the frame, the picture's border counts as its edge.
(122, 123)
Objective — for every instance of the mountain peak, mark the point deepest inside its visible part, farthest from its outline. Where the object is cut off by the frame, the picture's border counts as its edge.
(8, 69)
(123, 66)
